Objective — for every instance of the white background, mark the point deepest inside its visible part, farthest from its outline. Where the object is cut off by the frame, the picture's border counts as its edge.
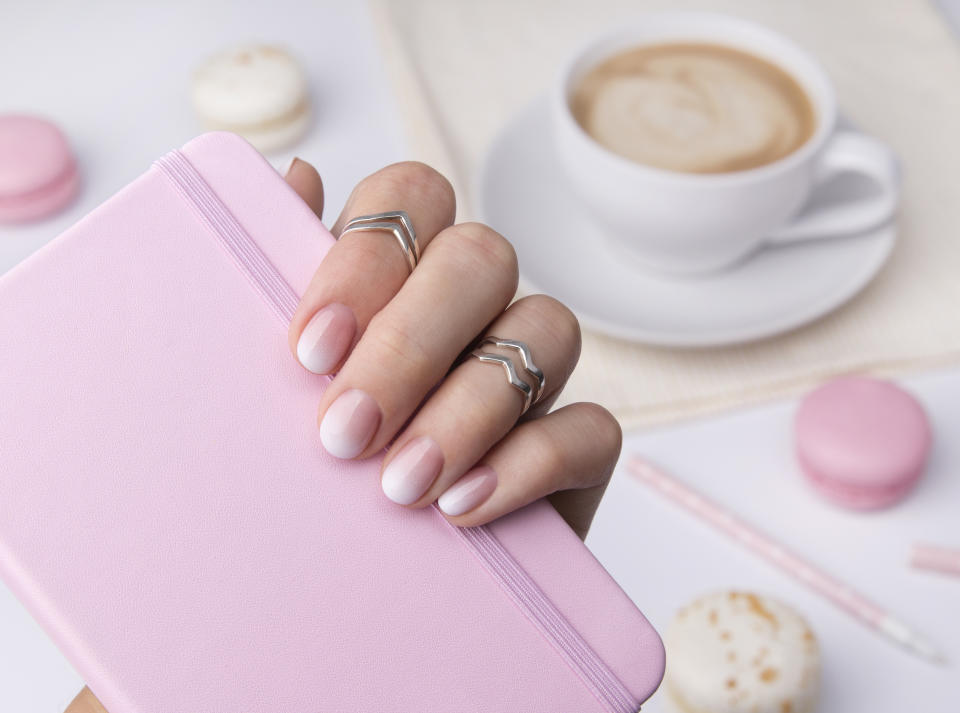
(116, 78)
(664, 557)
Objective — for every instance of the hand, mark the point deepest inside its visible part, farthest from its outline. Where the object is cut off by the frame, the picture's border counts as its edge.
(455, 433)
(391, 336)
(85, 702)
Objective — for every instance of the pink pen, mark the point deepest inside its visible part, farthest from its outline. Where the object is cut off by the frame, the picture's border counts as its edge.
(827, 586)
(936, 559)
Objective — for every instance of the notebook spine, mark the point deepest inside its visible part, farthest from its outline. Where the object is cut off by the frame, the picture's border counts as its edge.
(517, 584)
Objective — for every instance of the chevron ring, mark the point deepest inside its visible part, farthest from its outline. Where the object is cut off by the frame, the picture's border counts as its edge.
(531, 390)
(398, 224)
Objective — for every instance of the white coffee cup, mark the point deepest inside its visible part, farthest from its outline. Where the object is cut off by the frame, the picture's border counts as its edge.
(693, 222)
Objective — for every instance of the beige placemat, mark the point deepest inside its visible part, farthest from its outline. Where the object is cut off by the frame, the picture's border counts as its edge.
(461, 70)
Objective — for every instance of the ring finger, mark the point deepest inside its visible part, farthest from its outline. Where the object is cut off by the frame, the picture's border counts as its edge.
(476, 406)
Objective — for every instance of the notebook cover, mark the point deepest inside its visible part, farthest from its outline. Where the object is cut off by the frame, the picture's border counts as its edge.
(169, 516)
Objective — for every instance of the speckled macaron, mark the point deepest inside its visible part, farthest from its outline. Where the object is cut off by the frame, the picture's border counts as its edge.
(862, 443)
(257, 91)
(38, 172)
(737, 652)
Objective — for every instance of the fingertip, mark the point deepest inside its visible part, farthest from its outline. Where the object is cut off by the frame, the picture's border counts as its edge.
(85, 702)
(411, 471)
(325, 340)
(349, 423)
(306, 181)
(468, 493)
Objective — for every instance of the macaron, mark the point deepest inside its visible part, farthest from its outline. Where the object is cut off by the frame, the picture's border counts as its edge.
(38, 172)
(737, 652)
(257, 91)
(862, 443)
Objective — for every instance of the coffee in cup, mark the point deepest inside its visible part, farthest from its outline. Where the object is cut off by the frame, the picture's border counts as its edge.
(695, 138)
(693, 108)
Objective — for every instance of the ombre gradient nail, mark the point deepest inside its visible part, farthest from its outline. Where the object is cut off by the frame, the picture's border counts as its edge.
(470, 492)
(412, 471)
(325, 340)
(349, 424)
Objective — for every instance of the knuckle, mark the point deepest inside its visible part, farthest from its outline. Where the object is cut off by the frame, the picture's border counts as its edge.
(606, 430)
(485, 250)
(417, 175)
(550, 455)
(541, 310)
(398, 346)
(419, 184)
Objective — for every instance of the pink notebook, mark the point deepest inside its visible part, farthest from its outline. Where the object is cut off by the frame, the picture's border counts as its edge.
(168, 514)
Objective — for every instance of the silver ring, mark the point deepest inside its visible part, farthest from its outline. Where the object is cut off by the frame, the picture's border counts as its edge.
(396, 222)
(526, 357)
(531, 393)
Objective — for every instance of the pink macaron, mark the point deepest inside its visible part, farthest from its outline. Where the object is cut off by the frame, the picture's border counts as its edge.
(38, 173)
(862, 443)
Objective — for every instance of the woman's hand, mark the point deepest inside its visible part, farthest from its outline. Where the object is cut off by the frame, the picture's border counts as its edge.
(85, 702)
(455, 432)
(392, 336)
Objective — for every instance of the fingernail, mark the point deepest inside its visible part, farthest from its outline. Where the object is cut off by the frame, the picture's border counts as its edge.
(469, 492)
(349, 424)
(412, 471)
(293, 162)
(326, 338)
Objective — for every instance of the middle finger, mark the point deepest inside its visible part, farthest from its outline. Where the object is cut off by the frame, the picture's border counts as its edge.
(465, 278)
(476, 406)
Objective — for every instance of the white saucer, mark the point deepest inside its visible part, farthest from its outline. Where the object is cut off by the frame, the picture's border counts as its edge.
(523, 194)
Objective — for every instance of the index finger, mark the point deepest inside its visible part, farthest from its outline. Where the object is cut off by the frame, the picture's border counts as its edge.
(364, 270)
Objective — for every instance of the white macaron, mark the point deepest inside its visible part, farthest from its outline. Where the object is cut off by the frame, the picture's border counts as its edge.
(257, 91)
(737, 652)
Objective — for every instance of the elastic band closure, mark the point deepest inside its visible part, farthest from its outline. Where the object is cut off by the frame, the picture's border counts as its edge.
(238, 243)
(531, 600)
(513, 580)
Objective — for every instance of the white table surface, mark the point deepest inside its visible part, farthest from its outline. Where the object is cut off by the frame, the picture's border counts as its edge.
(664, 557)
(116, 77)
(117, 80)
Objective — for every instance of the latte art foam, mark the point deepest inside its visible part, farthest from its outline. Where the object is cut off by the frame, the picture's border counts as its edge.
(694, 108)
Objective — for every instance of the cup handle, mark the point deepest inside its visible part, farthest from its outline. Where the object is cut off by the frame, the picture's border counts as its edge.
(848, 152)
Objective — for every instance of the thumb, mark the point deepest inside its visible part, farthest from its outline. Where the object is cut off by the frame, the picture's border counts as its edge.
(85, 702)
(305, 180)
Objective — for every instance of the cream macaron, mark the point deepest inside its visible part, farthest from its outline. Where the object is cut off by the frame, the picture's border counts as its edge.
(737, 652)
(257, 91)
